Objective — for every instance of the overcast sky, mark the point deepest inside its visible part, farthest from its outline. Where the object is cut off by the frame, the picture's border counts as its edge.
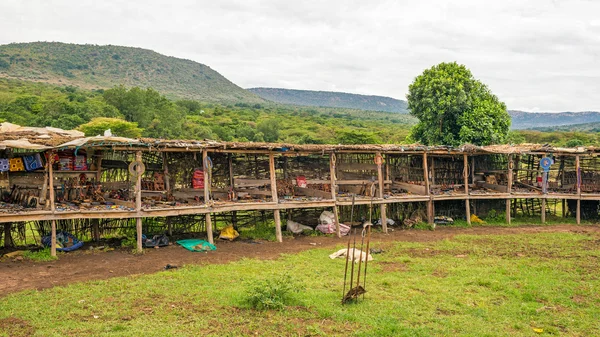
(536, 55)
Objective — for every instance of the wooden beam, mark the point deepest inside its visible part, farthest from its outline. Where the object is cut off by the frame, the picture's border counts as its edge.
(412, 188)
(466, 183)
(231, 178)
(382, 207)
(8, 241)
(426, 179)
(357, 166)
(578, 212)
(273, 176)
(509, 184)
(309, 192)
(543, 210)
(138, 203)
(166, 173)
(333, 181)
(52, 203)
(207, 183)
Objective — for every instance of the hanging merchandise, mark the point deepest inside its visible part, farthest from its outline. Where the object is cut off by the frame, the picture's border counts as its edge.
(80, 163)
(4, 165)
(33, 162)
(16, 164)
(198, 179)
(301, 181)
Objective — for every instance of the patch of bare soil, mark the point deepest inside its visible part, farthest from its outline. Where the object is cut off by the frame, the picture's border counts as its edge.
(16, 327)
(83, 265)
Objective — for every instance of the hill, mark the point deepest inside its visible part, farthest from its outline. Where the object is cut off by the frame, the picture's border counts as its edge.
(585, 127)
(100, 67)
(331, 99)
(528, 120)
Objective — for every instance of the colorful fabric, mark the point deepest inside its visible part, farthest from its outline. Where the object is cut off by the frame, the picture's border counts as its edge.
(196, 245)
(16, 164)
(4, 165)
(33, 162)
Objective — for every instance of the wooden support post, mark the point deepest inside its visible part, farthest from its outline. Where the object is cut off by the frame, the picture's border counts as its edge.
(430, 202)
(564, 208)
(333, 178)
(382, 207)
(231, 181)
(8, 242)
(577, 182)
(52, 204)
(276, 214)
(466, 182)
(96, 229)
(433, 171)
(138, 203)
(509, 184)
(169, 226)
(473, 170)
(207, 184)
(166, 173)
(543, 208)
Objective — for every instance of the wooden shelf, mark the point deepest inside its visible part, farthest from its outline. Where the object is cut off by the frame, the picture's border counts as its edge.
(71, 171)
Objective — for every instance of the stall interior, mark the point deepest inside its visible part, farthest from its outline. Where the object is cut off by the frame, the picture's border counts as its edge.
(357, 176)
(446, 174)
(404, 175)
(488, 174)
(22, 181)
(590, 175)
(303, 178)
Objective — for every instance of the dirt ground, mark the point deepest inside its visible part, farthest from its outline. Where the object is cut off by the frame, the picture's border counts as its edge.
(84, 264)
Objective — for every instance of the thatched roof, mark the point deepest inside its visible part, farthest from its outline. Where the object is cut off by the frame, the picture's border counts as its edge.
(15, 136)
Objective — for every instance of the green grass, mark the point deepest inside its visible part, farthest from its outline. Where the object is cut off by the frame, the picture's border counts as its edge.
(496, 285)
(40, 255)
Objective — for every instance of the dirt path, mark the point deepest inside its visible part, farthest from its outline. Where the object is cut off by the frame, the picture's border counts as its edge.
(84, 265)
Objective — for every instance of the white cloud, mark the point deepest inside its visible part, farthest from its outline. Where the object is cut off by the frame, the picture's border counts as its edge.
(535, 55)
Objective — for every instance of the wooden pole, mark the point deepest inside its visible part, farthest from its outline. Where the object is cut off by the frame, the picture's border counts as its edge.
(332, 178)
(579, 179)
(382, 207)
(8, 242)
(207, 184)
(166, 173)
(275, 197)
(466, 182)
(430, 202)
(231, 181)
(52, 204)
(138, 203)
(544, 209)
(509, 187)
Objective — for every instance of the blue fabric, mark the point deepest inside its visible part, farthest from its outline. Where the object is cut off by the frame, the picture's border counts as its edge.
(60, 238)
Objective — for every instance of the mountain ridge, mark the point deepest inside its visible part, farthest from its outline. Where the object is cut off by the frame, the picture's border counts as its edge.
(105, 66)
(333, 99)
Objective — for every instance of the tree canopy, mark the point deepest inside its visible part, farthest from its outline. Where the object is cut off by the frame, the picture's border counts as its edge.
(454, 108)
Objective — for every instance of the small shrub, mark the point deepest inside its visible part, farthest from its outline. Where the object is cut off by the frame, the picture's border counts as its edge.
(129, 242)
(39, 256)
(272, 293)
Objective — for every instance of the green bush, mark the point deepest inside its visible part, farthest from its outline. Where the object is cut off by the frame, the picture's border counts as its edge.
(39, 256)
(272, 293)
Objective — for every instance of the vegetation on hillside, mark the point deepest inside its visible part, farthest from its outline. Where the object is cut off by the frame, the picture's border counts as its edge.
(525, 120)
(36, 104)
(454, 108)
(331, 99)
(102, 67)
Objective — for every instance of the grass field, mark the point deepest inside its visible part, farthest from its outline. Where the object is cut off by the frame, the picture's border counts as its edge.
(493, 285)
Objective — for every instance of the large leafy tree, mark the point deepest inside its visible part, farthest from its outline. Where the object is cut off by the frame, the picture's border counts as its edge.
(454, 108)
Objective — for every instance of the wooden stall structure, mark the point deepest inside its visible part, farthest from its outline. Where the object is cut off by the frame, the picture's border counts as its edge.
(68, 177)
